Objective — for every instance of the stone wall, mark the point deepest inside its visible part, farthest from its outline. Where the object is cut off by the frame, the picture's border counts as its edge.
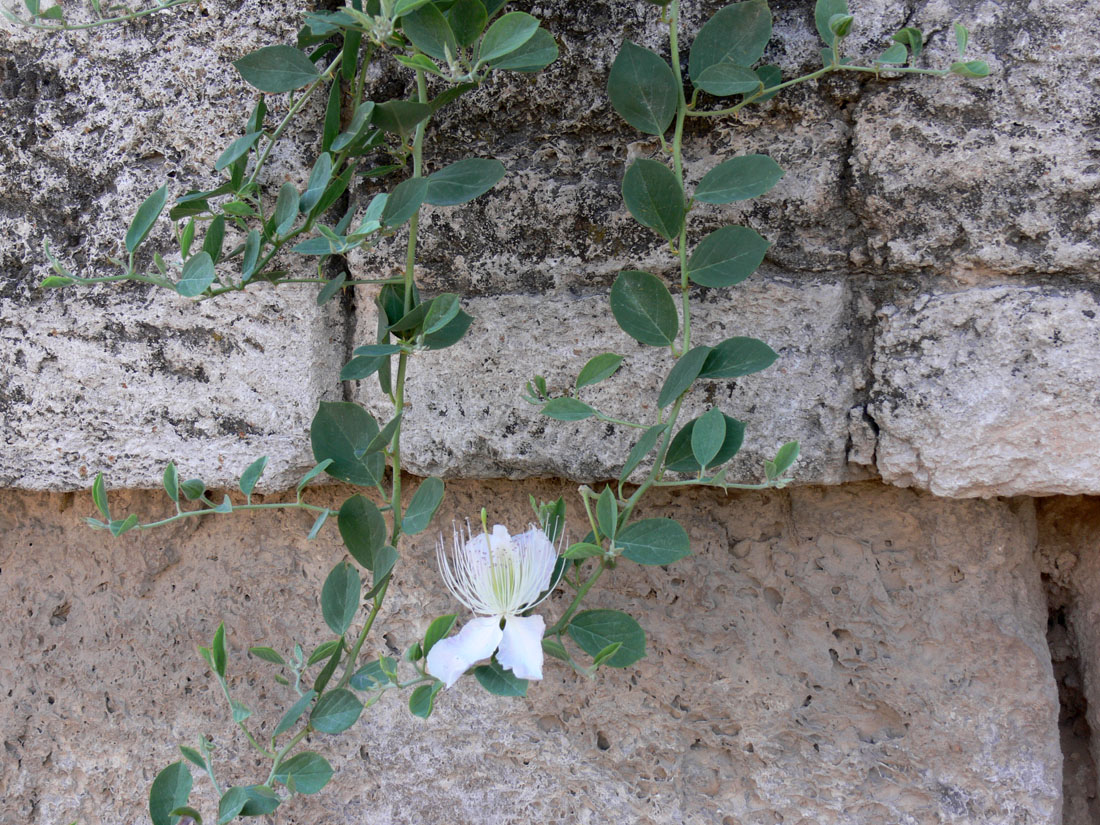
(846, 651)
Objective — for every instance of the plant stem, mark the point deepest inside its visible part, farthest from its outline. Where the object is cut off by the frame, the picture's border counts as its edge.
(561, 623)
(281, 755)
(103, 21)
(678, 168)
(287, 505)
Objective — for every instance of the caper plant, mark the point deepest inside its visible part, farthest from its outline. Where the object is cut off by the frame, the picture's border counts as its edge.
(252, 235)
(650, 94)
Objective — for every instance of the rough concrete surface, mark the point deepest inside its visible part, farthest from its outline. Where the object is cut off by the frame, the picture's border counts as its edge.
(989, 392)
(467, 418)
(850, 656)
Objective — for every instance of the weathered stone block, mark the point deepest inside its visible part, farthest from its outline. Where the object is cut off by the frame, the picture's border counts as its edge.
(990, 392)
(466, 417)
(852, 656)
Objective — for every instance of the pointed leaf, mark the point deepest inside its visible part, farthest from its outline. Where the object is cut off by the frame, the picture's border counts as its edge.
(237, 149)
(404, 201)
(430, 32)
(643, 90)
(294, 714)
(172, 482)
(736, 34)
(533, 56)
(506, 35)
(340, 597)
(654, 197)
(735, 357)
(318, 180)
(198, 274)
(708, 436)
(339, 429)
(654, 541)
(336, 711)
(567, 409)
(170, 790)
(681, 459)
(727, 78)
(422, 699)
(598, 369)
(252, 474)
(498, 681)
(145, 217)
(400, 116)
(726, 256)
(306, 772)
(643, 307)
(362, 528)
(682, 375)
(594, 630)
(422, 507)
(463, 181)
(277, 69)
(437, 630)
(738, 179)
(642, 447)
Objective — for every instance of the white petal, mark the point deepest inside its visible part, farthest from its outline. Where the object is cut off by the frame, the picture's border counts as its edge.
(450, 658)
(521, 647)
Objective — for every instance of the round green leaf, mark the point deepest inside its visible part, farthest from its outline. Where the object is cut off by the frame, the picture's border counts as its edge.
(643, 90)
(735, 357)
(340, 597)
(170, 790)
(533, 56)
(643, 307)
(594, 630)
(336, 711)
(653, 541)
(404, 201)
(277, 69)
(708, 436)
(198, 274)
(726, 256)
(498, 681)
(506, 35)
(654, 197)
(824, 11)
(567, 409)
(339, 429)
(305, 772)
(463, 181)
(437, 630)
(430, 32)
(423, 698)
(681, 459)
(468, 19)
(362, 528)
(736, 34)
(726, 78)
(738, 179)
(682, 375)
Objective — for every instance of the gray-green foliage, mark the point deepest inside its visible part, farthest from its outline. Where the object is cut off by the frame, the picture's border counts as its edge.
(239, 233)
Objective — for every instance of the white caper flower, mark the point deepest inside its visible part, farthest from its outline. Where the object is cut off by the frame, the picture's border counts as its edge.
(499, 577)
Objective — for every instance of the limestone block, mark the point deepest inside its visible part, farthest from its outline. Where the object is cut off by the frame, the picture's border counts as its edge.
(466, 417)
(89, 383)
(969, 176)
(852, 656)
(989, 392)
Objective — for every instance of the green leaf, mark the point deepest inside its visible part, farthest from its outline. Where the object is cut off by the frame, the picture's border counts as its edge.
(442, 310)
(318, 180)
(498, 681)
(193, 756)
(99, 495)
(973, 68)
(556, 649)
(468, 19)
(406, 6)
(430, 32)
(823, 13)
(55, 281)
(381, 441)
(193, 488)
(306, 772)
(373, 674)
(607, 512)
(736, 34)
(784, 458)
(218, 652)
(727, 78)
(261, 801)
(533, 56)
(215, 237)
(336, 711)
(423, 698)
(183, 810)
(681, 459)
(238, 148)
(294, 714)
(118, 527)
(506, 35)
(339, 429)
(331, 289)
(422, 507)
(357, 129)
(325, 675)
(145, 217)
(643, 90)
(286, 209)
(962, 38)
(318, 523)
(252, 474)
(708, 436)
(894, 55)
(404, 201)
(654, 197)
(841, 24)
(643, 307)
(198, 274)
(437, 630)
(276, 69)
(252, 244)
(267, 654)
(331, 124)
(598, 369)
(400, 116)
(735, 357)
(567, 409)
(654, 541)
(315, 471)
(170, 790)
(463, 181)
(769, 76)
(362, 528)
(450, 334)
(606, 653)
(682, 375)
(582, 550)
(642, 447)
(340, 597)
(726, 256)
(231, 804)
(594, 630)
(912, 38)
(240, 711)
(738, 179)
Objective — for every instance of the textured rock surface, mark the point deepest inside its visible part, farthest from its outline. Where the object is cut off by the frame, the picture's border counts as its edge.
(807, 664)
(990, 392)
(466, 416)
